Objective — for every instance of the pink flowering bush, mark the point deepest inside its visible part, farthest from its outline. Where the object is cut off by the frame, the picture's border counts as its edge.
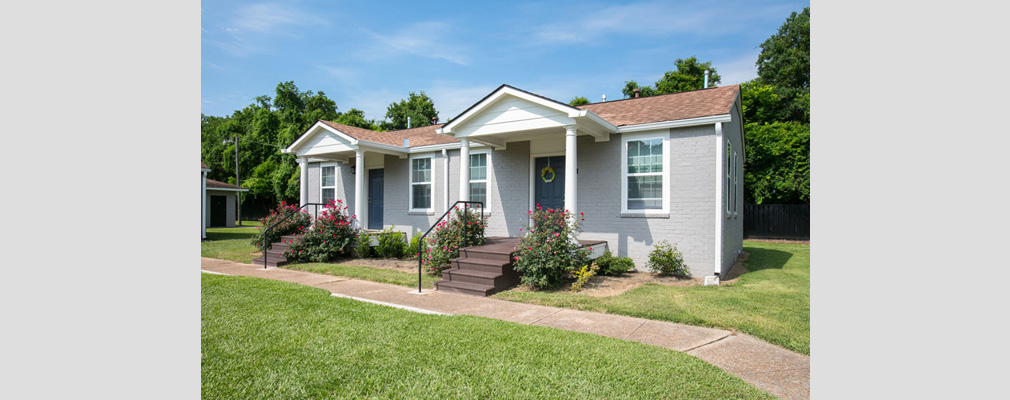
(462, 228)
(332, 235)
(291, 226)
(549, 250)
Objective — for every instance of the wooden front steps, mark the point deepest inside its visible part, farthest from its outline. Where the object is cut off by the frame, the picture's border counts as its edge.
(275, 256)
(482, 270)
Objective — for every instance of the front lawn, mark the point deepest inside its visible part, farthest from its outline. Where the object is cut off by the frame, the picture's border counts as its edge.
(380, 275)
(270, 339)
(771, 301)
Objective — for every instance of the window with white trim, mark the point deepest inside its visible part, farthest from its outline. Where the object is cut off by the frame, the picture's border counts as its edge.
(420, 183)
(327, 183)
(736, 185)
(728, 188)
(644, 174)
(478, 177)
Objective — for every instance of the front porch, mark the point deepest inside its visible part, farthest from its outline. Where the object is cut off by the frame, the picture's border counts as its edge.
(487, 269)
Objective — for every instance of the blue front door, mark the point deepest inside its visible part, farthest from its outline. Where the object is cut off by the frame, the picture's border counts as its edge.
(550, 182)
(375, 198)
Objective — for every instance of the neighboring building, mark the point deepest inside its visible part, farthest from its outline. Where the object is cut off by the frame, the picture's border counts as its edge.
(642, 170)
(218, 202)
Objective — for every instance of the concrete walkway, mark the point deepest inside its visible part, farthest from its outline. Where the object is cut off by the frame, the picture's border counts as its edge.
(771, 368)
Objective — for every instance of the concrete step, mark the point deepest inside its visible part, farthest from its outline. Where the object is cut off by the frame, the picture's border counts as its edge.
(472, 289)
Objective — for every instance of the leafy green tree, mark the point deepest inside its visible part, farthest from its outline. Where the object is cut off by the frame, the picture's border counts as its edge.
(356, 117)
(784, 62)
(578, 101)
(418, 107)
(630, 86)
(760, 103)
(263, 129)
(777, 167)
(689, 75)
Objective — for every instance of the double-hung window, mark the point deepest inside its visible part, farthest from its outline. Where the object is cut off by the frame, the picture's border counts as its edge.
(478, 178)
(420, 183)
(327, 183)
(645, 167)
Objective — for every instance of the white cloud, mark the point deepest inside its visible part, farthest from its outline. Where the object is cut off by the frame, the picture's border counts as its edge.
(739, 70)
(426, 39)
(255, 27)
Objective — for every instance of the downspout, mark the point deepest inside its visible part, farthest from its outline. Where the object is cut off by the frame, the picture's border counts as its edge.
(445, 178)
(203, 205)
(719, 148)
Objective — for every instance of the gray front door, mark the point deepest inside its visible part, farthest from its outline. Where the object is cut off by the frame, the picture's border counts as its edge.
(375, 178)
(549, 193)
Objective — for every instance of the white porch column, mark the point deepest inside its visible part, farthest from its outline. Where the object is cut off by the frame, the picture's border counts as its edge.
(359, 188)
(571, 171)
(464, 169)
(719, 179)
(303, 189)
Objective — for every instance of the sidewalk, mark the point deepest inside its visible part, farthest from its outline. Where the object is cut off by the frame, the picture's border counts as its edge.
(771, 368)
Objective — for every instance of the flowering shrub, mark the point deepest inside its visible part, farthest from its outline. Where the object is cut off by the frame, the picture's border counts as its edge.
(293, 225)
(391, 243)
(667, 260)
(583, 275)
(410, 251)
(462, 228)
(331, 236)
(549, 250)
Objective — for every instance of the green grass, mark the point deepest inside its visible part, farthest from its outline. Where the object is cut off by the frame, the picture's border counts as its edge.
(229, 244)
(771, 301)
(251, 223)
(270, 339)
(381, 275)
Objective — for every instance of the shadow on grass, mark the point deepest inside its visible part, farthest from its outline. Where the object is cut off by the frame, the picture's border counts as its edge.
(766, 258)
(230, 235)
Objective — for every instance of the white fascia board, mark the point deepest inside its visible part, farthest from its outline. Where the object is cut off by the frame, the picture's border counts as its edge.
(505, 90)
(680, 123)
(312, 132)
(211, 189)
(597, 119)
(383, 148)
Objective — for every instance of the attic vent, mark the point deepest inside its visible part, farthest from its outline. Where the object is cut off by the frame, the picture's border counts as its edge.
(638, 91)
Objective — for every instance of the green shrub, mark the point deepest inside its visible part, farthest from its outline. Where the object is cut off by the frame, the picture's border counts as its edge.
(363, 245)
(293, 225)
(667, 260)
(410, 251)
(610, 265)
(390, 243)
(583, 275)
(549, 251)
(462, 228)
(332, 235)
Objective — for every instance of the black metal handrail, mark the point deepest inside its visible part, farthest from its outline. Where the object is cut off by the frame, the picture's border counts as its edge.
(466, 233)
(279, 222)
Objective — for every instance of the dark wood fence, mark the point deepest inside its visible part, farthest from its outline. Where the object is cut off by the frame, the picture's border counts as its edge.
(776, 221)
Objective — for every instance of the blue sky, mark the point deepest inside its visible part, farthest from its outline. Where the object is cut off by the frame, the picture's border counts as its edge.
(366, 56)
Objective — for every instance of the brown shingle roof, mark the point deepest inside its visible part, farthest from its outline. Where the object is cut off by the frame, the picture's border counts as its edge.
(212, 184)
(421, 136)
(667, 107)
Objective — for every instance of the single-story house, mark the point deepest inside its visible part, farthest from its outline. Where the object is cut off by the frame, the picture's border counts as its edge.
(641, 170)
(217, 206)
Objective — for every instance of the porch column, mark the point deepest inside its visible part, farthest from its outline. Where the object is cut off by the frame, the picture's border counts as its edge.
(303, 186)
(464, 169)
(571, 171)
(359, 188)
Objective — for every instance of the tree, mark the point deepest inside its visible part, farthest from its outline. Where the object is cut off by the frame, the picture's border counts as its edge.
(784, 62)
(761, 104)
(578, 101)
(356, 117)
(689, 75)
(418, 107)
(777, 168)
